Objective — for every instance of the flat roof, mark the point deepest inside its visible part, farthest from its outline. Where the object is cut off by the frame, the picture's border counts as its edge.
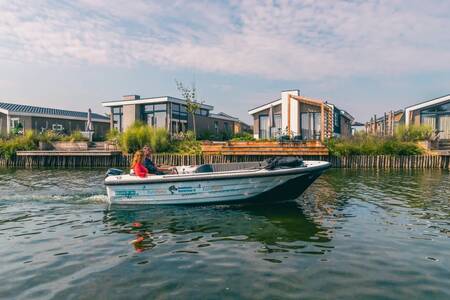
(150, 100)
(428, 102)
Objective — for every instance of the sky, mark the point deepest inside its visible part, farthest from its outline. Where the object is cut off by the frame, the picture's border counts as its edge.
(366, 57)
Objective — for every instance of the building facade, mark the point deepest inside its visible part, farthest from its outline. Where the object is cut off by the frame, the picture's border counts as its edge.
(385, 125)
(301, 117)
(169, 113)
(434, 113)
(25, 117)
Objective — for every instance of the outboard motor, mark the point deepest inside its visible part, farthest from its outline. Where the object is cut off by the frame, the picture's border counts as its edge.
(284, 162)
(113, 172)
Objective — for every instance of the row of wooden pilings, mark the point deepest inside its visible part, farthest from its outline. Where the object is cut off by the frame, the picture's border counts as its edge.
(123, 161)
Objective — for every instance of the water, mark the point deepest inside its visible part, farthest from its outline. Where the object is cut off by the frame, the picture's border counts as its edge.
(353, 234)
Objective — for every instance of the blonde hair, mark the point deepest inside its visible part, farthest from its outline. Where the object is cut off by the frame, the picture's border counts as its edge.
(137, 158)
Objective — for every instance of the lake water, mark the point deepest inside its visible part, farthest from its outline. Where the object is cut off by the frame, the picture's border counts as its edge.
(353, 234)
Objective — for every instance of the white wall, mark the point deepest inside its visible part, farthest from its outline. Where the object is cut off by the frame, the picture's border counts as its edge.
(295, 114)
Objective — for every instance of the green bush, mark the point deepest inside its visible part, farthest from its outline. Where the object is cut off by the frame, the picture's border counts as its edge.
(414, 133)
(26, 142)
(113, 136)
(49, 136)
(75, 136)
(139, 134)
(186, 143)
(364, 144)
(244, 136)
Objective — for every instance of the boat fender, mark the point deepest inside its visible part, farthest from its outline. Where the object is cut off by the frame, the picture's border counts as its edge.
(113, 172)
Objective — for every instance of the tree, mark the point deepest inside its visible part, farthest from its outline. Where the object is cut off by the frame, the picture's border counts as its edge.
(192, 105)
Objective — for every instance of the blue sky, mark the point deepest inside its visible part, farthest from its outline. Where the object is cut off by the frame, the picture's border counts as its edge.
(365, 56)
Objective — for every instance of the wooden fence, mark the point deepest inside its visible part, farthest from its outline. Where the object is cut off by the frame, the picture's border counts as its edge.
(123, 161)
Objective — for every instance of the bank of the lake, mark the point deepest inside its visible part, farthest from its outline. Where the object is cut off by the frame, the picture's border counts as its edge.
(83, 159)
(353, 234)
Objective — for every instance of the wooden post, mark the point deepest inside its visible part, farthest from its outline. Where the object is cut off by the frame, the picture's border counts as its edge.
(322, 126)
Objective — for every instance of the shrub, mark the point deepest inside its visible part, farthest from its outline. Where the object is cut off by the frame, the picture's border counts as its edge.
(75, 136)
(207, 135)
(139, 134)
(364, 144)
(113, 136)
(414, 133)
(243, 136)
(49, 136)
(26, 142)
(186, 143)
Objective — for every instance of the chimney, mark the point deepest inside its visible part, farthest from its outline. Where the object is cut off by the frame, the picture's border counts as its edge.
(131, 97)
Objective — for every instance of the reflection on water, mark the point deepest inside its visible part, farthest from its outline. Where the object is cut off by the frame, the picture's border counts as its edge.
(382, 233)
(279, 226)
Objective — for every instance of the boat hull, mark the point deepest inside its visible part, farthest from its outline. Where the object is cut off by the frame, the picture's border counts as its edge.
(260, 186)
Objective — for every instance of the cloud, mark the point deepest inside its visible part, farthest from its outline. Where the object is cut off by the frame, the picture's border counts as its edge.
(286, 40)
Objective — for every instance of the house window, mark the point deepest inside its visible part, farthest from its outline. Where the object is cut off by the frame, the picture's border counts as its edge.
(226, 126)
(179, 112)
(310, 125)
(57, 127)
(216, 127)
(155, 114)
(15, 122)
(276, 128)
(438, 118)
(16, 126)
(202, 112)
(117, 114)
(263, 126)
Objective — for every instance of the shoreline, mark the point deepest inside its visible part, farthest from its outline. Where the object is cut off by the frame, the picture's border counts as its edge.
(106, 160)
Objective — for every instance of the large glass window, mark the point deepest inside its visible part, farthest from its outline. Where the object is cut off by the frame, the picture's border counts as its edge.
(310, 125)
(179, 112)
(263, 126)
(202, 112)
(117, 114)
(438, 118)
(155, 114)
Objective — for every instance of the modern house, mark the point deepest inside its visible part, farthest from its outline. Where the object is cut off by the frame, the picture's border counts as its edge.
(434, 112)
(26, 117)
(301, 117)
(170, 113)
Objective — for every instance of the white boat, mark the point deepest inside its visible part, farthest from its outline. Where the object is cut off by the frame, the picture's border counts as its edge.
(216, 183)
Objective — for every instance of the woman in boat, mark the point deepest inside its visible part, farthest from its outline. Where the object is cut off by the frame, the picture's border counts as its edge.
(137, 164)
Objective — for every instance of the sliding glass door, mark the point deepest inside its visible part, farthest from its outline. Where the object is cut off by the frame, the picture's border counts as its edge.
(310, 123)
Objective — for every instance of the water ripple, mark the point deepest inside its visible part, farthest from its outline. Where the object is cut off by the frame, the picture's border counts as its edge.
(382, 233)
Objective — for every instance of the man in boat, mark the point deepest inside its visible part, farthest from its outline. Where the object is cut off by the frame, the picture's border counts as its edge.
(148, 163)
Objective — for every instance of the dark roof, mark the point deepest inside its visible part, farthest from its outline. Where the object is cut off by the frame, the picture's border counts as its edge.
(19, 108)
